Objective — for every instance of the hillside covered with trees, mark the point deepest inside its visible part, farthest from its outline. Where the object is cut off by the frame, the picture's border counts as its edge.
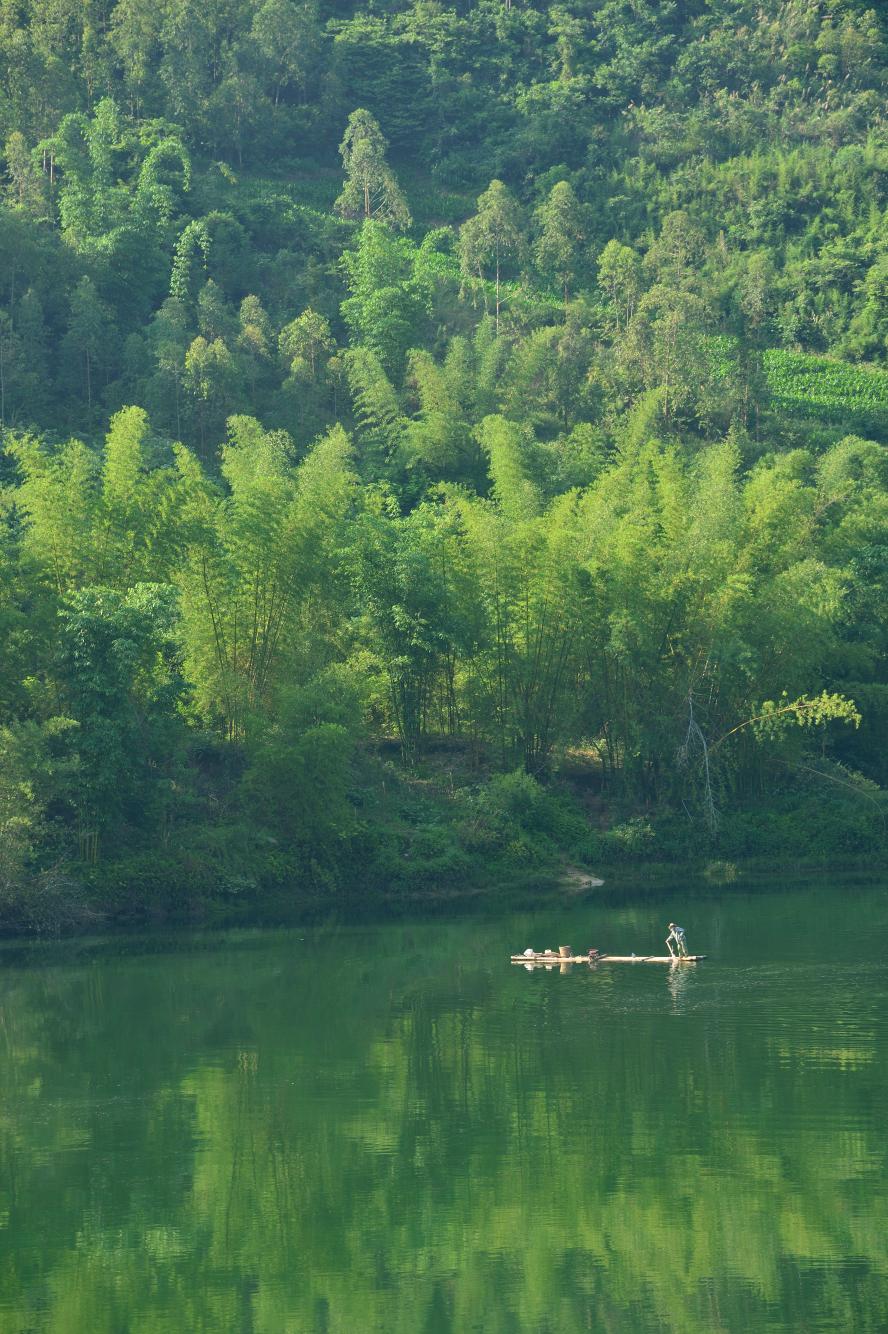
(437, 441)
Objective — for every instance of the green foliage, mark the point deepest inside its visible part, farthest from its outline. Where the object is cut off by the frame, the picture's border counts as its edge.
(117, 660)
(631, 839)
(507, 447)
(805, 713)
(306, 343)
(302, 764)
(36, 769)
(516, 798)
(388, 297)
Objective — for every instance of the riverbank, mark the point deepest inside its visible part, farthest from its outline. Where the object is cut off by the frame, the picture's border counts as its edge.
(114, 904)
(434, 841)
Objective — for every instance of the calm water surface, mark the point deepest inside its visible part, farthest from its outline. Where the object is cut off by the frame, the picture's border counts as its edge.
(391, 1128)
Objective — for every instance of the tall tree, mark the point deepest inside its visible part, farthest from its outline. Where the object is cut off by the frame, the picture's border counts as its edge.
(88, 345)
(489, 238)
(620, 278)
(561, 234)
(305, 343)
(370, 189)
(210, 377)
(287, 35)
(24, 181)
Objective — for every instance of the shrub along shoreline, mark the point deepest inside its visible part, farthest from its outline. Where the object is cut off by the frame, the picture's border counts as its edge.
(506, 844)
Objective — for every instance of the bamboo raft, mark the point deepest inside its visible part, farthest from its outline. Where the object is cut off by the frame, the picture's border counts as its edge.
(543, 960)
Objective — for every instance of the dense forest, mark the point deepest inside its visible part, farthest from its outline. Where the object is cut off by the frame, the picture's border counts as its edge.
(438, 441)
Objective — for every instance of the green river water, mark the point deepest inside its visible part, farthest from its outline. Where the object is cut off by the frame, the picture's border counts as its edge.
(391, 1128)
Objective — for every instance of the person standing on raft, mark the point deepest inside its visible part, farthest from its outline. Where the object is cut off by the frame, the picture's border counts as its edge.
(677, 934)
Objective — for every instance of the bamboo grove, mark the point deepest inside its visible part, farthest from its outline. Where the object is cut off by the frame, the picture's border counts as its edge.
(680, 618)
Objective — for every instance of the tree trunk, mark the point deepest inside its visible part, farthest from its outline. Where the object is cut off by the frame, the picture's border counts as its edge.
(497, 290)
